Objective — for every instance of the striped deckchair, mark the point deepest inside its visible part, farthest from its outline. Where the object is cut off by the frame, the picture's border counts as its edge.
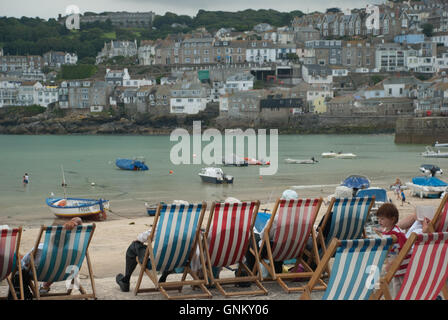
(348, 217)
(61, 257)
(439, 222)
(427, 271)
(9, 257)
(226, 241)
(289, 228)
(172, 244)
(356, 263)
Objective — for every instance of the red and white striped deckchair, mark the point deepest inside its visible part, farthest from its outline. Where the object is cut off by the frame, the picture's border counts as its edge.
(286, 235)
(9, 257)
(427, 271)
(226, 241)
(439, 222)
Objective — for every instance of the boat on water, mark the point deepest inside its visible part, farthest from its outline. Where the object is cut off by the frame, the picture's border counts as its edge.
(136, 164)
(430, 170)
(215, 175)
(427, 187)
(234, 160)
(65, 207)
(77, 207)
(338, 155)
(431, 153)
(440, 145)
(301, 161)
(255, 162)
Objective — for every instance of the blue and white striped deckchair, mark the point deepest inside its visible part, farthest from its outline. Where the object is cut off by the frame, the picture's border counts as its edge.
(356, 269)
(172, 244)
(61, 257)
(348, 218)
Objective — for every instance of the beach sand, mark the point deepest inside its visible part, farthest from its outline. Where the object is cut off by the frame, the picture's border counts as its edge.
(112, 238)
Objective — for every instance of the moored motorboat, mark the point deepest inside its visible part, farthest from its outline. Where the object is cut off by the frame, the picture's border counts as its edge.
(301, 161)
(255, 162)
(345, 155)
(330, 154)
(234, 160)
(215, 175)
(78, 207)
(430, 153)
(430, 170)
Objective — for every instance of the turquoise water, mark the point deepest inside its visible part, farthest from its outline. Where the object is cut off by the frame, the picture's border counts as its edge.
(88, 159)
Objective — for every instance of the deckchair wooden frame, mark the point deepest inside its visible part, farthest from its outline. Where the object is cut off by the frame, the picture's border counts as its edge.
(324, 266)
(163, 287)
(386, 280)
(17, 268)
(299, 259)
(433, 224)
(252, 277)
(67, 295)
(326, 218)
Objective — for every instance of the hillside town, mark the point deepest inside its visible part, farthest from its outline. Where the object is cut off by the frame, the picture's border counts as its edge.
(329, 63)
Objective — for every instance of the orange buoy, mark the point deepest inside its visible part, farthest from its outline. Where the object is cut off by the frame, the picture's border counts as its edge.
(171, 171)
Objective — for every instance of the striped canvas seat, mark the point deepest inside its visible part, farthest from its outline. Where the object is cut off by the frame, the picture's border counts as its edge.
(8, 250)
(354, 261)
(175, 233)
(61, 256)
(172, 244)
(62, 248)
(286, 235)
(348, 218)
(229, 233)
(427, 272)
(226, 241)
(9, 257)
(357, 264)
(295, 218)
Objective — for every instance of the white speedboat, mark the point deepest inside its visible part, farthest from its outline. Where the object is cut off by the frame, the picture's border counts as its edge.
(430, 170)
(338, 155)
(345, 155)
(440, 145)
(430, 153)
(301, 161)
(215, 175)
(330, 154)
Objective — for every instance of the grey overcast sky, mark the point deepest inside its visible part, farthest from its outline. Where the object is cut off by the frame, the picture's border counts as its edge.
(51, 8)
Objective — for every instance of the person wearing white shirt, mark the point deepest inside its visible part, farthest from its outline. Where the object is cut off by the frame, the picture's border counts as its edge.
(136, 249)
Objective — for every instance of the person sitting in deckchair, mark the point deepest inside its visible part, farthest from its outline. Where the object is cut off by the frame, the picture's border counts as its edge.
(135, 250)
(26, 260)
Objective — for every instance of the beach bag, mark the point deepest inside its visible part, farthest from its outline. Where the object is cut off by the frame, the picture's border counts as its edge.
(28, 295)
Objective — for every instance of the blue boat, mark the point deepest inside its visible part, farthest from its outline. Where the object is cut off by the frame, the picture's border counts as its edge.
(131, 164)
(428, 187)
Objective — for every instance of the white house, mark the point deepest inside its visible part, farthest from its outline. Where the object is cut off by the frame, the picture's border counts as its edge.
(28, 93)
(317, 74)
(117, 77)
(47, 95)
(138, 82)
(261, 51)
(188, 98)
(147, 52)
(8, 92)
(240, 82)
(70, 58)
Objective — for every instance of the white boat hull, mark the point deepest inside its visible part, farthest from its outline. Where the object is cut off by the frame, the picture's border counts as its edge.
(71, 209)
(425, 191)
(298, 161)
